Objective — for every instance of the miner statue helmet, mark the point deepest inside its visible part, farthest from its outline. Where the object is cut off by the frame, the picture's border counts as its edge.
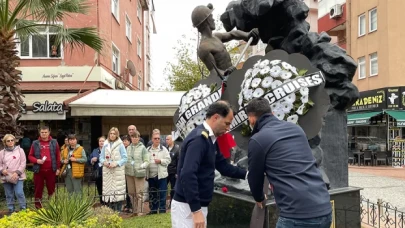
(201, 14)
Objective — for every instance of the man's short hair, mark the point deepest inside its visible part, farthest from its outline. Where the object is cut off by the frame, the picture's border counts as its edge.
(44, 128)
(221, 108)
(258, 107)
(156, 131)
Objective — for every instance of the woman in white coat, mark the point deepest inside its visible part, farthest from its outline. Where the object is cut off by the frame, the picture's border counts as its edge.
(113, 158)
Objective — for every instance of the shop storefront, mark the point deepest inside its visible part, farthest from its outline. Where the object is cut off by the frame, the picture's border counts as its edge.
(377, 116)
(121, 108)
(50, 109)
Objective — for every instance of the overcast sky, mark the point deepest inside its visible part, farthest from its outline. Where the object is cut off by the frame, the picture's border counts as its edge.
(173, 19)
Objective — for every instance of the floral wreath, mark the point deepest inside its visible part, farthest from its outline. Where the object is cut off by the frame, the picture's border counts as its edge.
(191, 98)
(264, 77)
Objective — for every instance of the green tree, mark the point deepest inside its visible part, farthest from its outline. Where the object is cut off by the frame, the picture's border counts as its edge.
(18, 21)
(186, 70)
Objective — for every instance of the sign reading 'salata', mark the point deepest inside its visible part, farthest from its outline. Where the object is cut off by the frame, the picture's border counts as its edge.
(277, 94)
(47, 107)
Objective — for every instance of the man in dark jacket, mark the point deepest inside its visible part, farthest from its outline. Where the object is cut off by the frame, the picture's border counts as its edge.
(199, 157)
(174, 151)
(280, 150)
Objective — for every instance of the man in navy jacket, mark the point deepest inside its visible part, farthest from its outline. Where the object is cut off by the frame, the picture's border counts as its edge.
(199, 157)
(280, 150)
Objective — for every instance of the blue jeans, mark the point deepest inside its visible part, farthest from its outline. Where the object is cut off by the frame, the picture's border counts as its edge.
(319, 222)
(17, 189)
(157, 194)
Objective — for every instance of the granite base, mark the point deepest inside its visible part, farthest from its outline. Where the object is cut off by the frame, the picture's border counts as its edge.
(234, 210)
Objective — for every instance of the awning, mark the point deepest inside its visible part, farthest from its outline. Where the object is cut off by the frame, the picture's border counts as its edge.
(105, 102)
(45, 106)
(360, 118)
(398, 115)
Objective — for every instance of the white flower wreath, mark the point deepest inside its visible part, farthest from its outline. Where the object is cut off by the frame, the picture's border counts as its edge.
(267, 75)
(189, 99)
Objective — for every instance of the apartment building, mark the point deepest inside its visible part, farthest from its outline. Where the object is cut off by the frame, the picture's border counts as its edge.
(53, 77)
(371, 31)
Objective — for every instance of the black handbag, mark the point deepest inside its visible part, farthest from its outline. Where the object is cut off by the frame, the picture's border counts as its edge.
(96, 174)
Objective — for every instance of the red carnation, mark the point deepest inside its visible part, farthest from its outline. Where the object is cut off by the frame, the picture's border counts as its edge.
(224, 189)
(14, 157)
(73, 155)
(107, 157)
(153, 155)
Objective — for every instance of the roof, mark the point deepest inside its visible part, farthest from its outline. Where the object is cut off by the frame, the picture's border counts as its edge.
(116, 98)
(58, 86)
(29, 99)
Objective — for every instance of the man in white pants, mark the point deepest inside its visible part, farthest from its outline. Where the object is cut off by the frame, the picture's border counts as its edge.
(199, 157)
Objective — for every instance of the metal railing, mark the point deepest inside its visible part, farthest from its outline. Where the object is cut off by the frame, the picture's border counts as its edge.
(381, 214)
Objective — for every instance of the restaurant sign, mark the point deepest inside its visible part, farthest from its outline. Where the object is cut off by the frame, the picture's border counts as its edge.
(371, 100)
(393, 98)
(38, 107)
(358, 122)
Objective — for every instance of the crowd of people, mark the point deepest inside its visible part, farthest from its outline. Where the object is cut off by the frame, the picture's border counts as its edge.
(277, 151)
(121, 167)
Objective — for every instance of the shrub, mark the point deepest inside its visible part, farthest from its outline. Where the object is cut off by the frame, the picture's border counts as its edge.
(16, 220)
(29, 184)
(26, 219)
(65, 208)
(107, 217)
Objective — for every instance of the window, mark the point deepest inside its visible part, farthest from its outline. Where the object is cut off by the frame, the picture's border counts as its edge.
(372, 15)
(115, 9)
(139, 48)
(362, 67)
(128, 29)
(362, 25)
(373, 64)
(140, 82)
(115, 59)
(139, 11)
(41, 45)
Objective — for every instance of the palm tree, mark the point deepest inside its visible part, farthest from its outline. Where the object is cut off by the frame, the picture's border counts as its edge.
(20, 19)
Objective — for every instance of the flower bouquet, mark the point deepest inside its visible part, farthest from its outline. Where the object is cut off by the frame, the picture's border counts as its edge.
(191, 98)
(267, 75)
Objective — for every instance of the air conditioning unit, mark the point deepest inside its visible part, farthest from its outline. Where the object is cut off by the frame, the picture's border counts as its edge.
(336, 11)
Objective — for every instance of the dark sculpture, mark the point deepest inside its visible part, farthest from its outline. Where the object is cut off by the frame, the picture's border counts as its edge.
(211, 49)
(282, 25)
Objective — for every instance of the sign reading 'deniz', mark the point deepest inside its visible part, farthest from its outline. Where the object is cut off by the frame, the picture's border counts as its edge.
(371, 100)
(47, 107)
(277, 94)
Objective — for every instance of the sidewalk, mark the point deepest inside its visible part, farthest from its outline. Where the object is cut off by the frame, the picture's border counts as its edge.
(380, 182)
(382, 171)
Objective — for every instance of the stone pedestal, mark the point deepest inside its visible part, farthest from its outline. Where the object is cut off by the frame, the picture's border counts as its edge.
(234, 210)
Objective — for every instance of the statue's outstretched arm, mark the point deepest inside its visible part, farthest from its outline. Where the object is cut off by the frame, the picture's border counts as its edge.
(239, 35)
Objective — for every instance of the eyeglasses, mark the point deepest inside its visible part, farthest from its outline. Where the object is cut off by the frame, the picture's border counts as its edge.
(156, 138)
(10, 140)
